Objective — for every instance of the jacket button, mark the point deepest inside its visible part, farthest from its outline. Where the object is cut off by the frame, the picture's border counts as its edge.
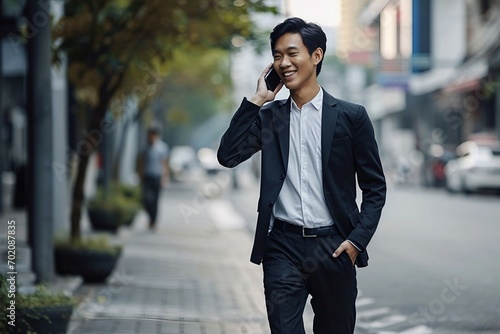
(270, 204)
(282, 177)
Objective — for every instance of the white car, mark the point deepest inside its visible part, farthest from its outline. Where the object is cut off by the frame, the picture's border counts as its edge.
(476, 167)
(182, 160)
(208, 161)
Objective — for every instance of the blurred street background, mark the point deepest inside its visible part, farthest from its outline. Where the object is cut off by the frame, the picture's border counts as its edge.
(83, 80)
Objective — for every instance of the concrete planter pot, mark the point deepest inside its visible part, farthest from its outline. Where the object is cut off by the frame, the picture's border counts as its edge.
(104, 220)
(91, 265)
(37, 309)
(110, 220)
(43, 319)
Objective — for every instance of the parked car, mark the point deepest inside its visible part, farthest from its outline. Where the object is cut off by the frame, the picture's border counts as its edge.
(476, 167)
(433, 168)
(207, 158)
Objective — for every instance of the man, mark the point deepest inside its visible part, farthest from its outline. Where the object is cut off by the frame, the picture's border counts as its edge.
(154, 172)
(310, 232)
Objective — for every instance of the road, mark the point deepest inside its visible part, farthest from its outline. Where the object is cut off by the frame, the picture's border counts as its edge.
(434, 264)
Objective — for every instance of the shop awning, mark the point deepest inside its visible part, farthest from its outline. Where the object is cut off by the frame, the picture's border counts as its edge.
(467, 77)
(430, 81)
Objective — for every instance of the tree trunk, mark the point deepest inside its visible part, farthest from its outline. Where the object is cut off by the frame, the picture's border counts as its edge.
(106, 92)
(78, 196)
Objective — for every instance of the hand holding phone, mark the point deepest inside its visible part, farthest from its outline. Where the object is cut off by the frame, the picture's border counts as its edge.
(272, 79)
(268, 82)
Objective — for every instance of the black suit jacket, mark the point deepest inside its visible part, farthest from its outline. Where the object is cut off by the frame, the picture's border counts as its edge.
(348, 148)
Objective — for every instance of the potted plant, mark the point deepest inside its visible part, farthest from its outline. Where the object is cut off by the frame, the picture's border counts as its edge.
(41, 311)
(107, 212)
(133, 197)
(92, 258)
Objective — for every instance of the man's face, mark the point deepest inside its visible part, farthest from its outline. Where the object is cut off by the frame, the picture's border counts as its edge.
(152, 137)
(293, 63)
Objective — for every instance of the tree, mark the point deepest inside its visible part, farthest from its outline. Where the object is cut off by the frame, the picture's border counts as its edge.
(115, 47)
(197, 86)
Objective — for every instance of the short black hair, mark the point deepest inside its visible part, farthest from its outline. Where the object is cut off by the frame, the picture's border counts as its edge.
(154, 130)
(312, 35)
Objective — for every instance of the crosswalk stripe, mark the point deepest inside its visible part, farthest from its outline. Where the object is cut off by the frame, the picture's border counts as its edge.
(421, 329)
(387, 321)
(364, 301)
(372, 313)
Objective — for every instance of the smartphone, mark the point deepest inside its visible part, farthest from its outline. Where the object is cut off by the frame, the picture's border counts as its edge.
(272, 79)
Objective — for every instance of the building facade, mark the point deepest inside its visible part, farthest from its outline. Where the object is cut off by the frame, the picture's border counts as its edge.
(439, 60)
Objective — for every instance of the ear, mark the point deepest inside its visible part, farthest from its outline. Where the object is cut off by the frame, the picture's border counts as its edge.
(317, 55)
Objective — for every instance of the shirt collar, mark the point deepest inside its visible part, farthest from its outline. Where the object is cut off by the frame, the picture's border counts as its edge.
(317, 101)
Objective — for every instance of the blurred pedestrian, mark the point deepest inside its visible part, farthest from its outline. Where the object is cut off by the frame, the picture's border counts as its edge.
(310, 232)
(154, 170)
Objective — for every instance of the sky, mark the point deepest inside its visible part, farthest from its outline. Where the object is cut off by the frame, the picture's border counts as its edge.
(323, 12)
(326, 13)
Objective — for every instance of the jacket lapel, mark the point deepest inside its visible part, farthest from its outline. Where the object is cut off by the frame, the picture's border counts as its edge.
(328, 123)
(282, 128)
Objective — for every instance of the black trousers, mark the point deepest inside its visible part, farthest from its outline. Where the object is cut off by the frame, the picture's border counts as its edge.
(150, 194)
(295, 267)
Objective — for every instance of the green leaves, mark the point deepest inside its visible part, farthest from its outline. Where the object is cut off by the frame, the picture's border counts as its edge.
(106, 39)
(172, 50)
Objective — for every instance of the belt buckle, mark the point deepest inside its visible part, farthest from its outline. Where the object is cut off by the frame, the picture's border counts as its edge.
(307, 235)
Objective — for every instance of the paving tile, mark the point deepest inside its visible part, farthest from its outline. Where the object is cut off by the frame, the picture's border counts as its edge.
(185, 278)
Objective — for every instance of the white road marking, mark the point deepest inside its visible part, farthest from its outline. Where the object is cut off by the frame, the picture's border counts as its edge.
(387, 321)
(372, 313)
(421, 329)
(364, 301)
(414, 330)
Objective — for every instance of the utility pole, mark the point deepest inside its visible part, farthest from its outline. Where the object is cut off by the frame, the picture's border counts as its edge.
(7, 25)
(497, 108)
(40, 176)
(2, 154)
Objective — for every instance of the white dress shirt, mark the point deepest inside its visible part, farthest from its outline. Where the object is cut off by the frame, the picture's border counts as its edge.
(301, 200)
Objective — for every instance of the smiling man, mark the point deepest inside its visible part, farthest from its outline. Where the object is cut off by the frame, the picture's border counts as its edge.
(310, 233)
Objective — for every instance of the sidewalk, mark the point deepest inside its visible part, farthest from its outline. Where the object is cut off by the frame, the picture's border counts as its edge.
(187, 277)
(192, 275)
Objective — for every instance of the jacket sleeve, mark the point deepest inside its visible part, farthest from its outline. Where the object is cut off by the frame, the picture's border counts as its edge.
(371, 180)
(242, 139)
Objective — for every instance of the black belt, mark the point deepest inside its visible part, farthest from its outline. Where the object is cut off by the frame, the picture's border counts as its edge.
(304, 231)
